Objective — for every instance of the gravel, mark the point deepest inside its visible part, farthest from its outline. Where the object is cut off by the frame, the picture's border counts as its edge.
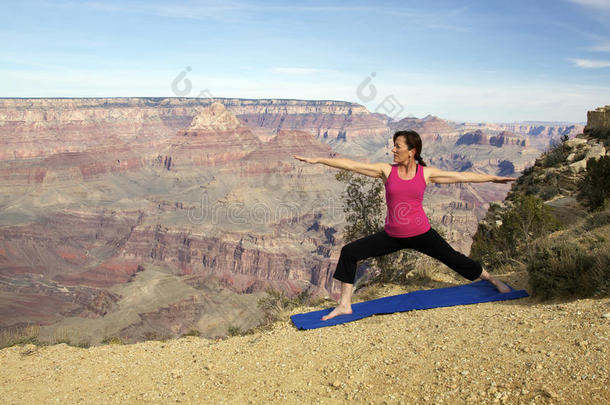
(506, 352)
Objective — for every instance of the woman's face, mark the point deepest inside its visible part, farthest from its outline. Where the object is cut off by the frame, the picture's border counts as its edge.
(401, 151)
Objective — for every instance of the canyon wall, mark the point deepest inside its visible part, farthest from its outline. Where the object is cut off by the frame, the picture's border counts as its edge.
(108, 204)
(598, 118)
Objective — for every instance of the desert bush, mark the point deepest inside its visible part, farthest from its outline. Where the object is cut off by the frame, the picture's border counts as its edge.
(20, 336)
(112, 340)
(192, 332)
(364, 204)
(150, 335)
(235, 331)
(557, 153)
(596, 220)
(600, 133)
(83, 344)
(568, 268)
(370, 292)
(276, 303)
(526, 219)
(594, 188)
(548, 191)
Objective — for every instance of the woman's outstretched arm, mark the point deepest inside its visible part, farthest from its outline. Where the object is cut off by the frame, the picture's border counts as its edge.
(434, 175)
(380, 170)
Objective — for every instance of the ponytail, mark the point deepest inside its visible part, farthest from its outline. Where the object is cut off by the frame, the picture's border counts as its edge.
(420, 160)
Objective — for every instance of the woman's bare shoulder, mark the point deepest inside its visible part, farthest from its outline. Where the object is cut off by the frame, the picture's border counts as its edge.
(429, 172)
(386, 169)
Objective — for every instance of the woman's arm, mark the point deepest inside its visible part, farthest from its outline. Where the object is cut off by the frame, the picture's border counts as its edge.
(434, 175)
(380, 170)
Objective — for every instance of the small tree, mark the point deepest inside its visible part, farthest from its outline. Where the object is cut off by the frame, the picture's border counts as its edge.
(594, 188)
(528, 219)
(525, 220)
(557, 153)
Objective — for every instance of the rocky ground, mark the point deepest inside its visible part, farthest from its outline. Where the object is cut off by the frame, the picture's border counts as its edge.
(521, 351)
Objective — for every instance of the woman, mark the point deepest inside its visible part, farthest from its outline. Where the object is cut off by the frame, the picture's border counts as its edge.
(406, 224)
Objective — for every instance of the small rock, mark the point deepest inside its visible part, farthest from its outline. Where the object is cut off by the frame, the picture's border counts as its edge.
(336, 384)
(606, 315)
(548, 393)
(575, 141)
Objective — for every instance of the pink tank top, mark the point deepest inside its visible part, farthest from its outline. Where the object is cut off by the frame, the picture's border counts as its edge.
(406, 216)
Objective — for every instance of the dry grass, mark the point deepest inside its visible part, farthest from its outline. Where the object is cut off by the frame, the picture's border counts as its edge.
(568, 266)
(30, 334)
(20, 336)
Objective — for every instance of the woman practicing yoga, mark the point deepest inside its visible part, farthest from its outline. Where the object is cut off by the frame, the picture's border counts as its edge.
(406, 224)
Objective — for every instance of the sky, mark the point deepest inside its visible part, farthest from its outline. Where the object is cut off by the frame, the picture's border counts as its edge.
(474, 61)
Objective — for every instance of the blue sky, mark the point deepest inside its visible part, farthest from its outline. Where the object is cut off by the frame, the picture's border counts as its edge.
(495, 61)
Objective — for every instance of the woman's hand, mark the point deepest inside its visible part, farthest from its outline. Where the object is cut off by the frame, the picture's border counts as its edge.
(306, 159)
(499, 179)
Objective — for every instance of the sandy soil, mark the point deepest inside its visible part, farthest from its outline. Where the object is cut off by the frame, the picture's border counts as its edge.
(519, 351)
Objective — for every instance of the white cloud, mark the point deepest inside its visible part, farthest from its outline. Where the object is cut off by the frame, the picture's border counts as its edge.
(604, 4)
(590, 64)
(605, 47)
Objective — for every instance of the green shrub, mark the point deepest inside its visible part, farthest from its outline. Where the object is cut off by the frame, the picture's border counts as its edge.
(112, 340)
(557, 154)
(526, 219)
(549, 191)
(276, 303)
(562, 269)
(594, 188)
(596, 220)
(192, 332)
(364, 204)
(235, 331)
(83, 344)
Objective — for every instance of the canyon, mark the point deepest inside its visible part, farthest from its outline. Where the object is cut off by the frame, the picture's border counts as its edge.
(136, 217)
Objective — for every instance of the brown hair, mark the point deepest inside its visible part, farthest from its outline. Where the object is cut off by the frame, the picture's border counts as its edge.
(413, 140)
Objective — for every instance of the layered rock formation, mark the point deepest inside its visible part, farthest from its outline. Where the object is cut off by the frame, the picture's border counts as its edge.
(473, 138)
(103, 200)
(430, 128)
(507, 138)
(214, 137)
(538, 129)
(599, 119)
(478, 137)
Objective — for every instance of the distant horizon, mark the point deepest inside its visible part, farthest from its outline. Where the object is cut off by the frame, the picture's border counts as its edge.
(472, 61)
(308, 100)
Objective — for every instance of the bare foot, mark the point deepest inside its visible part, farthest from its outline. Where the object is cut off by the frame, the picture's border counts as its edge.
(339, 310)
(500, 286)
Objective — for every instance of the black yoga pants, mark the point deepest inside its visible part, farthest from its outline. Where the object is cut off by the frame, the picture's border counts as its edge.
(379, 244)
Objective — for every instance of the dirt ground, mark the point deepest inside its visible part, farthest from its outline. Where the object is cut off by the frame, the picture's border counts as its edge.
(520, 351)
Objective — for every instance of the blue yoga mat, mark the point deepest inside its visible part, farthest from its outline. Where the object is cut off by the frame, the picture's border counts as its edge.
(480, 291)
